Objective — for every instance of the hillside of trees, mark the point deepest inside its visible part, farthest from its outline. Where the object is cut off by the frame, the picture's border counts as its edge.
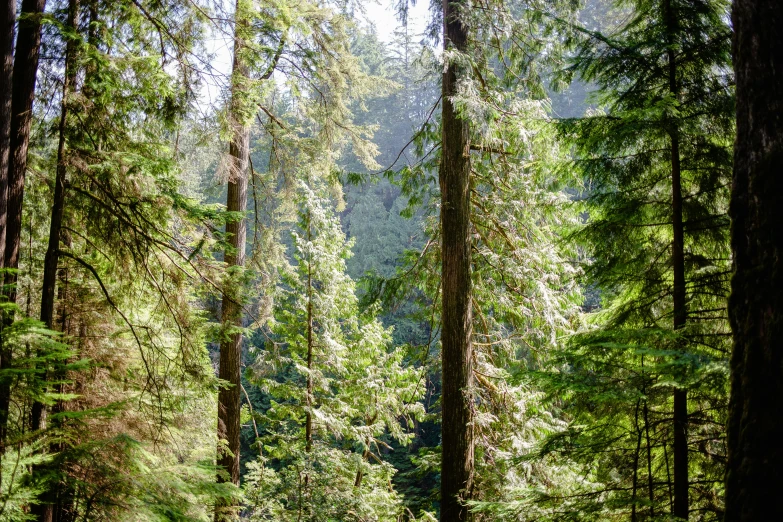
(262, 260)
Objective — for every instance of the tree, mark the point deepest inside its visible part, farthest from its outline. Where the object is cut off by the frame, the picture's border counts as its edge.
(22, 94)
(230, 370)
(118, 211)
(755, 428)
(655, 159)
(45, 511)
(335, 389)
(457, 322)
(28, 43)
(7, 23)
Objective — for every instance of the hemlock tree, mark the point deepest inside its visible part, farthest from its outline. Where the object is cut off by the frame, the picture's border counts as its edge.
(20, 87)
(755, 427)
(655, 160)
(305, 123)
(498, 216)
(336, 390)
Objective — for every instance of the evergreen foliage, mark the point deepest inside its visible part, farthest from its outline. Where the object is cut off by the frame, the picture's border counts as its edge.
(616, 378)
(335, 389)
(594, 148)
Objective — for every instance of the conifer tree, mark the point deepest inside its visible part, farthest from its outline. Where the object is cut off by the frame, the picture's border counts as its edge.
(22, 94)
(457, 322)
(26, 53)
(655, 160)
(120, 202)
(236, 202)
(335, 389)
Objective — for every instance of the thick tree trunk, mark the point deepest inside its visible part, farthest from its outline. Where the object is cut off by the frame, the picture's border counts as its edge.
(456, 351)
(229, 398)
(680, 313)
(7, 21)
(28, 43)
(755, 430)
(44, 511)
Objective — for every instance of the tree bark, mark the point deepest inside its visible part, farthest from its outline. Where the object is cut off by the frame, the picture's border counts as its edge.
(650, 484)
(680, 313)
(7, 21)
(28, 43)
(755, 427)
(456, 343)
(58, 201)
(229, 398)
(44, 511)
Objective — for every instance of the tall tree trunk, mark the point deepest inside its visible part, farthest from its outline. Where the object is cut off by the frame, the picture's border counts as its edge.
(755, 428)
(680, 312)
(236, 201)
(680, 446)
(456, 351)
(44, 511)
(28, 43)
(7, 21)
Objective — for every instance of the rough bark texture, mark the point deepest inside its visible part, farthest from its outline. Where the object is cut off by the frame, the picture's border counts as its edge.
(229, 398)
(755, 431)
(28, 43)
(7, 19)
(456, 351)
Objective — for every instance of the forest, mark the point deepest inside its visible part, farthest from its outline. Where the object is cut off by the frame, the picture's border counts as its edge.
(391, 260)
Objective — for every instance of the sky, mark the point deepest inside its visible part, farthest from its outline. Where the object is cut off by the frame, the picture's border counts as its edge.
(382, 15)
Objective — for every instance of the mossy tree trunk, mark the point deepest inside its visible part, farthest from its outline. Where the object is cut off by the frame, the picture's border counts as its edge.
(229, 397)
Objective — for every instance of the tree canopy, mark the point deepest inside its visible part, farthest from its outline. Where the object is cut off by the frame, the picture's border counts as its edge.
(508, 260)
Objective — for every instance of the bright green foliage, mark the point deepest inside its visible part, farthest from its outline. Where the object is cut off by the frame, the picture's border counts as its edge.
(568, 426)
(524, 292)
(37, 349)
(121, 438)
(327, 367)
(616, 378)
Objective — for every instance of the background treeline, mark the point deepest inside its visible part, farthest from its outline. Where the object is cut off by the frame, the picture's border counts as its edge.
(265, 247)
